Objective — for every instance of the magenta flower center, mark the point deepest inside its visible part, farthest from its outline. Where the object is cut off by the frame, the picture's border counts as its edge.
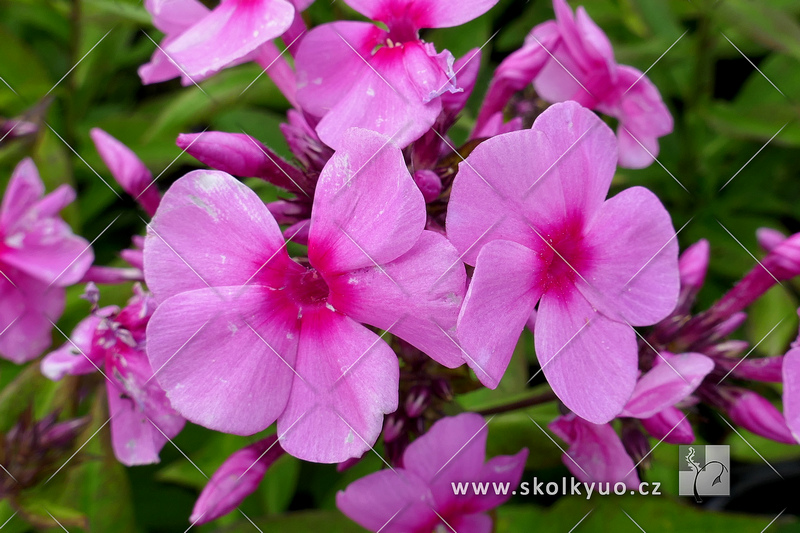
(307, 288)
(567, 253)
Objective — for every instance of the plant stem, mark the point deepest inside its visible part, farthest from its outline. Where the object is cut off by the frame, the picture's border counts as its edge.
(545, 397)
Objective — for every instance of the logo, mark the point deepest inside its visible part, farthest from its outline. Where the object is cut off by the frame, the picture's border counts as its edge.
(704, 471)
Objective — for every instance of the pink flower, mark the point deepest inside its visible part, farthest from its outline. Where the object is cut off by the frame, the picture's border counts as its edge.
(358, 74)
(39, 256)
(247, 335)
(421, 496)
(791, 388)
(112, 341)
(595, 453)
(572, 59)
(528, 209)
(237, 478)
(200, 42)
(755, 413)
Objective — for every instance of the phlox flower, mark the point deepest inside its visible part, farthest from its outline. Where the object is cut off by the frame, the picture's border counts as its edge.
(248, 336)
(596, 452)
(791, 388)
(529, 210)
(112, 341)
(39, 256)
(571, 58)
(358, 74)
(420, 497)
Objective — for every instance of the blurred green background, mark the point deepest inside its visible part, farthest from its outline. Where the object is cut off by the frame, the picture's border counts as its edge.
(70, 65)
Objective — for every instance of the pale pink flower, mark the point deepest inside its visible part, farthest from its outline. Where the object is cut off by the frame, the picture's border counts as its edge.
(529, 210)
(248, 336)
(420, 497)
(39, 256)
(572, 59)
(358, 74)
(112, 341)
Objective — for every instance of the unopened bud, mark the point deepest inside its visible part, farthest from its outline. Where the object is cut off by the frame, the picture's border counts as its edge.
(757, 414)
(429, 183)
(669, 425)
(393, 427)
(769, 238)
(417, 401)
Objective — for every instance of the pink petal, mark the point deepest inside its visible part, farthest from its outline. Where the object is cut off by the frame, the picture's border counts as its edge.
(670, 425)
(159, 68)
(227, 34)
(430, 73)
(667, 383)
(500, 470)
(26, 316)
(384, 99)
(388, 501)
(466, 70)
(589, 360)
(175, 16)
(239, 236)
(127, 169)
(791, 391)
(505, 288)
(504, 191)
(417, 297)
(73, 357)
(227, 355)
(142, 420)
(24, 189)
(596, 452)
(634, 269)
(423, 13)
(346, 380)
(453, 449)
(635, 149)
(472, 523)
(367, 209)
(330, 60)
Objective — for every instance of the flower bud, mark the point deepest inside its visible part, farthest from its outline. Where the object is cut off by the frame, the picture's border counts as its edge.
(429, 184)
(417, 401)
(669, 425)
(769, 238)
(728, 326)
(393, 427)
(693, 265)
(783, 261)
(237, 478)
(730, 349)
(767, 369)
(757, 414)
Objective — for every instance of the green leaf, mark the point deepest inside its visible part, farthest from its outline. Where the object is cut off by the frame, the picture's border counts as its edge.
(776, 309)
(763, 24)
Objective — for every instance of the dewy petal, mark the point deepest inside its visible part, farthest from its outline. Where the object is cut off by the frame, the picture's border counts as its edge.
(367, 209)
(417, 297)
(73, 357)
(210, 230)
(230, 32)
(633, 272)
(142, 419)
(791, 391)
(175, 16)
(505, 287)
(227, 355)
(453, 449)
(423, 13)
(384, 99)
(346, 380)
(559, 170)
(330, 60)
(390, 501)
(589, 360)
(24, 189)
(27, 315)
(127, 169)
(595, 452)
(667, 383)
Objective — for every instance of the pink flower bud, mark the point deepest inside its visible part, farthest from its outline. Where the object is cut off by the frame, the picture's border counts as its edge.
(693, 265)
(769, 238)
(730, 349)
(393, 427)
(429, 183)
(670, 425)
(757, 415)
(417, 401)
(783, 261)
(237, 478)
(729, 326)
(768, 369)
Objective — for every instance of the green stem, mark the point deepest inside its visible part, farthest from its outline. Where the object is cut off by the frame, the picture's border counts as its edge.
(544, 397)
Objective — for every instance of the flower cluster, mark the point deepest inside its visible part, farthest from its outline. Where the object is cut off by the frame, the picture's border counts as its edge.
(398, 269)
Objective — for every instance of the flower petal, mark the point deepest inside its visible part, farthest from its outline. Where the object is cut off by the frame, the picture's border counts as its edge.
(346, 380)
(670, 425)
(500, 470)
(505, 288)
(423, 13)
(73, 357)
(210, 230)
(24, 189)
(667, 383)
(589, 360)
(417, 297)
(227, 34)
(634, 267)
(367, 209)
(225, 355)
